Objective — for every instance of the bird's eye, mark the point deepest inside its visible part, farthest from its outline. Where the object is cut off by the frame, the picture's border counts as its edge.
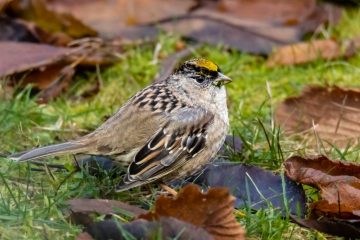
(199, 79)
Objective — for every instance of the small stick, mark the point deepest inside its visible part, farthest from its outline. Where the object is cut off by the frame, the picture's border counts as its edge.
(168, 189)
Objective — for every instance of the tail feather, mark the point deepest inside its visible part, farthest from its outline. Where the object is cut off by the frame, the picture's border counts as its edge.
(47, 151)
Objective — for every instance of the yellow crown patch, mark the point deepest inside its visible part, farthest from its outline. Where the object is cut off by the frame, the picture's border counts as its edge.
(206, 64)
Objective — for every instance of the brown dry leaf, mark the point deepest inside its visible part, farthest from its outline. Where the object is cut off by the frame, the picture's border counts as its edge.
(52, 80)
(15, 30)
(348, 229)
(251, 26)
(3, 5)
(314, 50)
(305, 52)
(22, 31)
(277, 22)
(333, 113)
(18, 57)
(102, 206)
(57, 85)
(271, 11)
(324, 13)
(243, 25)
(39, 12)
(306, 15)
(338, 182)
(42, 77)
(111, 17)
(211, 30)
(56, 39)
(95, 51)
(51, 68)
(212, 211)
(266, 30)
(44, 66)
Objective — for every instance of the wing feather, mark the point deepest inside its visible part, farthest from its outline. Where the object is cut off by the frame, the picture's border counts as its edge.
(179, 140)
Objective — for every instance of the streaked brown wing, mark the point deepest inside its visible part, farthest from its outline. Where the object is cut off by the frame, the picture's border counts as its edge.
(179, 140)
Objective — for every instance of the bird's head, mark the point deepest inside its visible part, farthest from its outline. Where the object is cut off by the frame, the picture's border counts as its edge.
(203, 73)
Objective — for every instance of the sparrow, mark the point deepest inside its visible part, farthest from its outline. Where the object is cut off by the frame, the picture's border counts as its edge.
(167, 131)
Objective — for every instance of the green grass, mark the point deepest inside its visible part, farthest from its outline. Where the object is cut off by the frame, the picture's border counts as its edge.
(32, 203)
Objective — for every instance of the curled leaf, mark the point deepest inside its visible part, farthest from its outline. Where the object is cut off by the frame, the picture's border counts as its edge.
(212, 211)
(338, 182)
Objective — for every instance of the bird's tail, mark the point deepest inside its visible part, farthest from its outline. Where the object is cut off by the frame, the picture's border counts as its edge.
(49, 151)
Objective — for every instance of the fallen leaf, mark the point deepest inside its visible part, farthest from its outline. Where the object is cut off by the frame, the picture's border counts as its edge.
(3, 5)
(255, 27)
(13, 30)
(271, 11)
(17, 57)
(330, 226)
(323, 13)
(103, 206)
(42, 77)
(39, 12)
(96, 51)
(51, 68)
(212, 211)
(56, 39)
(252, 26)
(277, 19)
(165, 227)
(52, 80)
(305, 52)
(275, 33)
(44, 66)
(211, 31)
(59, 84)
(309, 51)
(22, 31)
(255, 187)
(136, 33)
(338, 182)
(110, 18)
(331, 112)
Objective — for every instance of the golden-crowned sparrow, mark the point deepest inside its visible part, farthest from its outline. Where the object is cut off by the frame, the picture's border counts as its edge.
(166, 131)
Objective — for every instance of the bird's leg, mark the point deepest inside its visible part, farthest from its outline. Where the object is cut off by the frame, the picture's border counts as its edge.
(168, 189)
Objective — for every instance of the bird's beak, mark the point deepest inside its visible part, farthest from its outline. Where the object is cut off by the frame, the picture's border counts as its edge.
(222, 80)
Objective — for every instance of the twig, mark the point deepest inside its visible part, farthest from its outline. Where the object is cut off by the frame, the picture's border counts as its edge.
(168, 189)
